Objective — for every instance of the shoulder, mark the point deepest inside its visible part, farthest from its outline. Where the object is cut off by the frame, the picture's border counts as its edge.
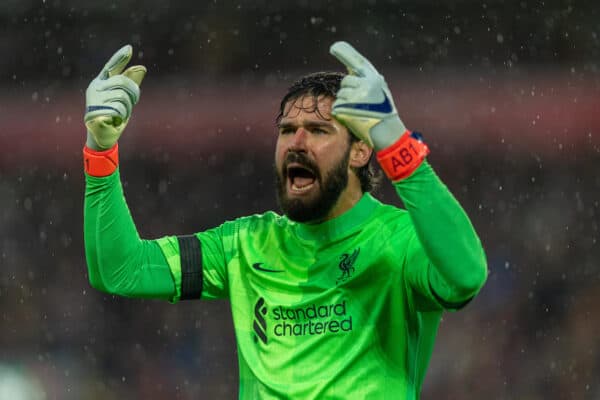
(391, 219)
(255, 225)
(391, 213)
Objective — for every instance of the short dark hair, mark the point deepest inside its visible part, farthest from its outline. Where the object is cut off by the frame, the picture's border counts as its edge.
(328, 84)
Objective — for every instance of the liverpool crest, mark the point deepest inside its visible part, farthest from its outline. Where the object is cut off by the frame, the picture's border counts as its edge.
(346, 264)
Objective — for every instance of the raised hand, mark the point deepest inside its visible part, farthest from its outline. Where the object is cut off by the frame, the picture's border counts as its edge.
(110, 98)
(364, 103)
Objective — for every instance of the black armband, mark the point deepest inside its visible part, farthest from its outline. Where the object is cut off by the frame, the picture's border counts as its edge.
(190, 253)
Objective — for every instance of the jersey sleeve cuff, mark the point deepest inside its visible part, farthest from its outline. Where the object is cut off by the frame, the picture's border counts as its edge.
(100, 163)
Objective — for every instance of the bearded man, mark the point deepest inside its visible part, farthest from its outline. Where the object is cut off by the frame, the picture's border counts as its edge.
(339, 297)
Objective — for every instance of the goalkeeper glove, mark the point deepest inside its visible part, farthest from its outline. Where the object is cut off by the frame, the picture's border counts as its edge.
(110, 98)
(365, 106)
(364, 103)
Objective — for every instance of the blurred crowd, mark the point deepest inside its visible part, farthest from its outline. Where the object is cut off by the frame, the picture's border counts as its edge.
(56, 42)
(508, 92)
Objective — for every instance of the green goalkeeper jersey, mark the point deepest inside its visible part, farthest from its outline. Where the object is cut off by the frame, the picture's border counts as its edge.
(345, 309)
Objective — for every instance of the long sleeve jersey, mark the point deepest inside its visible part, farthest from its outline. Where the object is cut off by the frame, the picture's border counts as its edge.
(344, 309)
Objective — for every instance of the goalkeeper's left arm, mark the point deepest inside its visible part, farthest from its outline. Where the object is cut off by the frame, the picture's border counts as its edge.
(457, 265)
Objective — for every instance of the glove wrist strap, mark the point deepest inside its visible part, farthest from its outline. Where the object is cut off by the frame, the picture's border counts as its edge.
(100, 163)
(402, 158)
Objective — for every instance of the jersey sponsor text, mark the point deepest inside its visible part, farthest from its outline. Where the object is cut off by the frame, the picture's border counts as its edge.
(312, 320)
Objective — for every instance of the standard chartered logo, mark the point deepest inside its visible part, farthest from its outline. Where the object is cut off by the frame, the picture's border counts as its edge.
(310, 320)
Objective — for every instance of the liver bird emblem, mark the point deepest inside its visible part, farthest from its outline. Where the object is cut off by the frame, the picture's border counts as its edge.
(346, 264)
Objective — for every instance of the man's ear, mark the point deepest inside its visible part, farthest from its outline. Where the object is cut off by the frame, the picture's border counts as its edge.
(360, 154)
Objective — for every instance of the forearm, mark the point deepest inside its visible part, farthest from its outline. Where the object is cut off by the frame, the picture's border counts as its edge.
(457, 261)
(119, 262)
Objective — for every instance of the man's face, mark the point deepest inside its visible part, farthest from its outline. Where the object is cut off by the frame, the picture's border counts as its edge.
(311, 159)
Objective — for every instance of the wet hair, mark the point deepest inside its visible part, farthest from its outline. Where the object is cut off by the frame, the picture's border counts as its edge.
(327, 84)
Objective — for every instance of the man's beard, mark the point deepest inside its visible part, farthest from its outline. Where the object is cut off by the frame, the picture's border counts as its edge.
(330, 188)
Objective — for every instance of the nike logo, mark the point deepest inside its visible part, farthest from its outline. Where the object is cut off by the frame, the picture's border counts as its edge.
(257, 266)
(384, 107)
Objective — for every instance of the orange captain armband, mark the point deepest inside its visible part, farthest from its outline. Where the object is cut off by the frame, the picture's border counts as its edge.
(100, 163)
(402, 158)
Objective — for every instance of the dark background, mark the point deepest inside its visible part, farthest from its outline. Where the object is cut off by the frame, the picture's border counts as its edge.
(507, 94)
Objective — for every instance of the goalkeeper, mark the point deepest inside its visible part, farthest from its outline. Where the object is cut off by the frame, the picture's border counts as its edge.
(339, 297)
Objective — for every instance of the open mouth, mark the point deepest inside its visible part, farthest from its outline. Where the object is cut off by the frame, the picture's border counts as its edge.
(301, 179)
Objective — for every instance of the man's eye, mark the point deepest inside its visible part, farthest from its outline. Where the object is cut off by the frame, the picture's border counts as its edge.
(319, 131)
(286, 131)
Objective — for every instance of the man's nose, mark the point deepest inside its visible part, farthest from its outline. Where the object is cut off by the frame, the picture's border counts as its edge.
(299, 139)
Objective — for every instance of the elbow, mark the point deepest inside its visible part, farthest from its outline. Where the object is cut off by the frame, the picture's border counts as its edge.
(94, 276)
(113, 275)
(104, 280)
(97, 284)
(463, 287)
(97, 277)
(471, 283)
(109, 287)
(474, 283)
(453, 292)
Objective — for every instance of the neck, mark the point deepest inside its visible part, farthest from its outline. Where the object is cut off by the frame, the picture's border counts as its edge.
(348, 199)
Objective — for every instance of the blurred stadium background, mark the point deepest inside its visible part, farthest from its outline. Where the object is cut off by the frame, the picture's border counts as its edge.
(507, 94)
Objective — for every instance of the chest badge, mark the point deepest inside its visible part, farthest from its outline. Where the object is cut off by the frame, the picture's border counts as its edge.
(346, 264)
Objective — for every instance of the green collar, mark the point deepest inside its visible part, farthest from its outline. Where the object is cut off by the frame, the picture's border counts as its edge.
(342, 225)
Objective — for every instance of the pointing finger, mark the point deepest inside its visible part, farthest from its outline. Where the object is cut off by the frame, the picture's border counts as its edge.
(117, 62)
(356, 63)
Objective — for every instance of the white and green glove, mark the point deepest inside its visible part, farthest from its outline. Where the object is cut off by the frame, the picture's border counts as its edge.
(364, 103)
(110, 98)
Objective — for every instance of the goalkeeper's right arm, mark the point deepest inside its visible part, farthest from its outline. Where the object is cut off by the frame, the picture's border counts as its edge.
(119, 262)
